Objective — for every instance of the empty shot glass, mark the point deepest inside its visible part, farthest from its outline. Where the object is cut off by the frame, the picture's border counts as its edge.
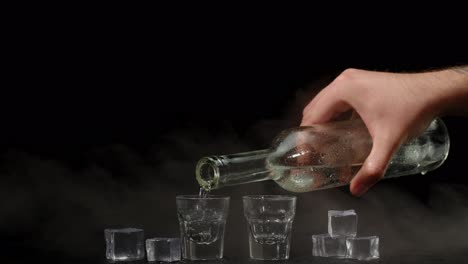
(269, 219)
(124, 244)
(202, 221)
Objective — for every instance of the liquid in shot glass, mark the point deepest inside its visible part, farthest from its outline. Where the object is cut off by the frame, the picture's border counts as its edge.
(202, 222)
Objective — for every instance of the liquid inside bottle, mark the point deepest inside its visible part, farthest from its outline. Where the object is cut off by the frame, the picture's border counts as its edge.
(323, 156)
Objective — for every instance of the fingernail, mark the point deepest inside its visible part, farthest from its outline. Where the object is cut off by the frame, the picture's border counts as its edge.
(359, 189)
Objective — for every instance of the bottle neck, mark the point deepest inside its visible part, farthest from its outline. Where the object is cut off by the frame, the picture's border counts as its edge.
(215, 172)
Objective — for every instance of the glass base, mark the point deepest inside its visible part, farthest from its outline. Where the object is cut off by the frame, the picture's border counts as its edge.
(277, 251)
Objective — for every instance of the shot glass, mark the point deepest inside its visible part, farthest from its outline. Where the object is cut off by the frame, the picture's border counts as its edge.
(202, 221)
(269, 219)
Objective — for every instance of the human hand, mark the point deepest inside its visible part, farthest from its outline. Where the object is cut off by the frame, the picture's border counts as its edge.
(394, 106)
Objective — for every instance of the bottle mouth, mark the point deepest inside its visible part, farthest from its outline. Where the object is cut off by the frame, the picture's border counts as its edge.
(207, 173)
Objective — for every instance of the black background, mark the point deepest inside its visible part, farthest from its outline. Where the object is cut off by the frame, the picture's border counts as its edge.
(104, 119)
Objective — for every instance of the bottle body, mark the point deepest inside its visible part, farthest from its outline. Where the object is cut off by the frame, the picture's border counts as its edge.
(323, 156)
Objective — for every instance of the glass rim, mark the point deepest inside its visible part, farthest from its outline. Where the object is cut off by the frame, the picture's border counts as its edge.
(271, 197)
(197, 197)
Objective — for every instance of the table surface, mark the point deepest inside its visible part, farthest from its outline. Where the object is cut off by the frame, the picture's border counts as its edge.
(417, 257)
(458, 256)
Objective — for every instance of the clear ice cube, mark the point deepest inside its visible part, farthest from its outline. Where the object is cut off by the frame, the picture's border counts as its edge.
(126, 244)
(163, 249)
(363, 248)
(342, 223)
(324, 245)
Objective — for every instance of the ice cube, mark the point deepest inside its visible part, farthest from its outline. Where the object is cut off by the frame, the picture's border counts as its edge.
(363, 248)
(342, 223)
(126, 244)
(324, 245)
(163, 249)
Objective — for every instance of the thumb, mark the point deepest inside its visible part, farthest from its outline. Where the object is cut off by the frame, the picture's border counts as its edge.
(375, 165)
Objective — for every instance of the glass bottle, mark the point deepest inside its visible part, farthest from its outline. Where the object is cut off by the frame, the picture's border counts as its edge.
(304, 159)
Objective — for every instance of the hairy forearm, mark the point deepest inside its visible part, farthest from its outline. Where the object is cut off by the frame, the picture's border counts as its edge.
(461, 69)
(454, 84)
